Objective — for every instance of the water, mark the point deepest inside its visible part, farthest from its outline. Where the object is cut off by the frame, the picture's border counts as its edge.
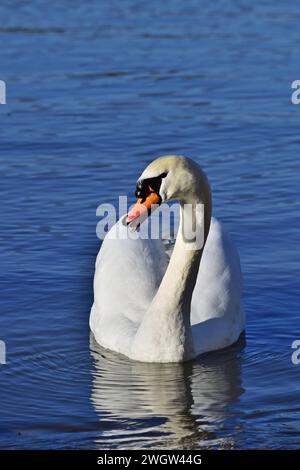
(95, 90)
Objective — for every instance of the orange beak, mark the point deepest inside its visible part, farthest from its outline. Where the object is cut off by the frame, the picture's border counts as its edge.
(143, 207)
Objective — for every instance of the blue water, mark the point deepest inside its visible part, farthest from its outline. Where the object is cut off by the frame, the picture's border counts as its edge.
(95, 90)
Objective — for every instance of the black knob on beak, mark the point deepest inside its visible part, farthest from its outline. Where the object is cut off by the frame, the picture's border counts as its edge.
(141, 189)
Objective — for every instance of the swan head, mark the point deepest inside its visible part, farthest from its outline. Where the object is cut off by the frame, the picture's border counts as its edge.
(168, 178)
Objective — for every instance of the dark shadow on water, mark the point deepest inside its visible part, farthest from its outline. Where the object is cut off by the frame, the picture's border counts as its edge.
(165, 405)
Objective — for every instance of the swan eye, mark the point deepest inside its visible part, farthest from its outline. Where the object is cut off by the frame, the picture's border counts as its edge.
(144, 186)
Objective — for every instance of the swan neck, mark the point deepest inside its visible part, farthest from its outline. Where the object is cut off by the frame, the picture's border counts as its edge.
(165, 334)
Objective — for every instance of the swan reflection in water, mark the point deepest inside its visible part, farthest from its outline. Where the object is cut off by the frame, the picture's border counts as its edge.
(171, 406)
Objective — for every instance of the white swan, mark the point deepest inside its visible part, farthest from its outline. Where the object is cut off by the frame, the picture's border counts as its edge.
(154, 311)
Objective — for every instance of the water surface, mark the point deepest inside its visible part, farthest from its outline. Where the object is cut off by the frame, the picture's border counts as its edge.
(95, 90)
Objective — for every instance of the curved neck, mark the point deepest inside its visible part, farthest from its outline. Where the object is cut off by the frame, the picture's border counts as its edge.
(177, 285)
(179, 280)
(165, 334)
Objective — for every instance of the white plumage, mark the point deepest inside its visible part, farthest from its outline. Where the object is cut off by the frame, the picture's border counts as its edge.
(125, 318)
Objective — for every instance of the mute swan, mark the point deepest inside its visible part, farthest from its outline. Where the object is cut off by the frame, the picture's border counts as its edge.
(154, 311)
